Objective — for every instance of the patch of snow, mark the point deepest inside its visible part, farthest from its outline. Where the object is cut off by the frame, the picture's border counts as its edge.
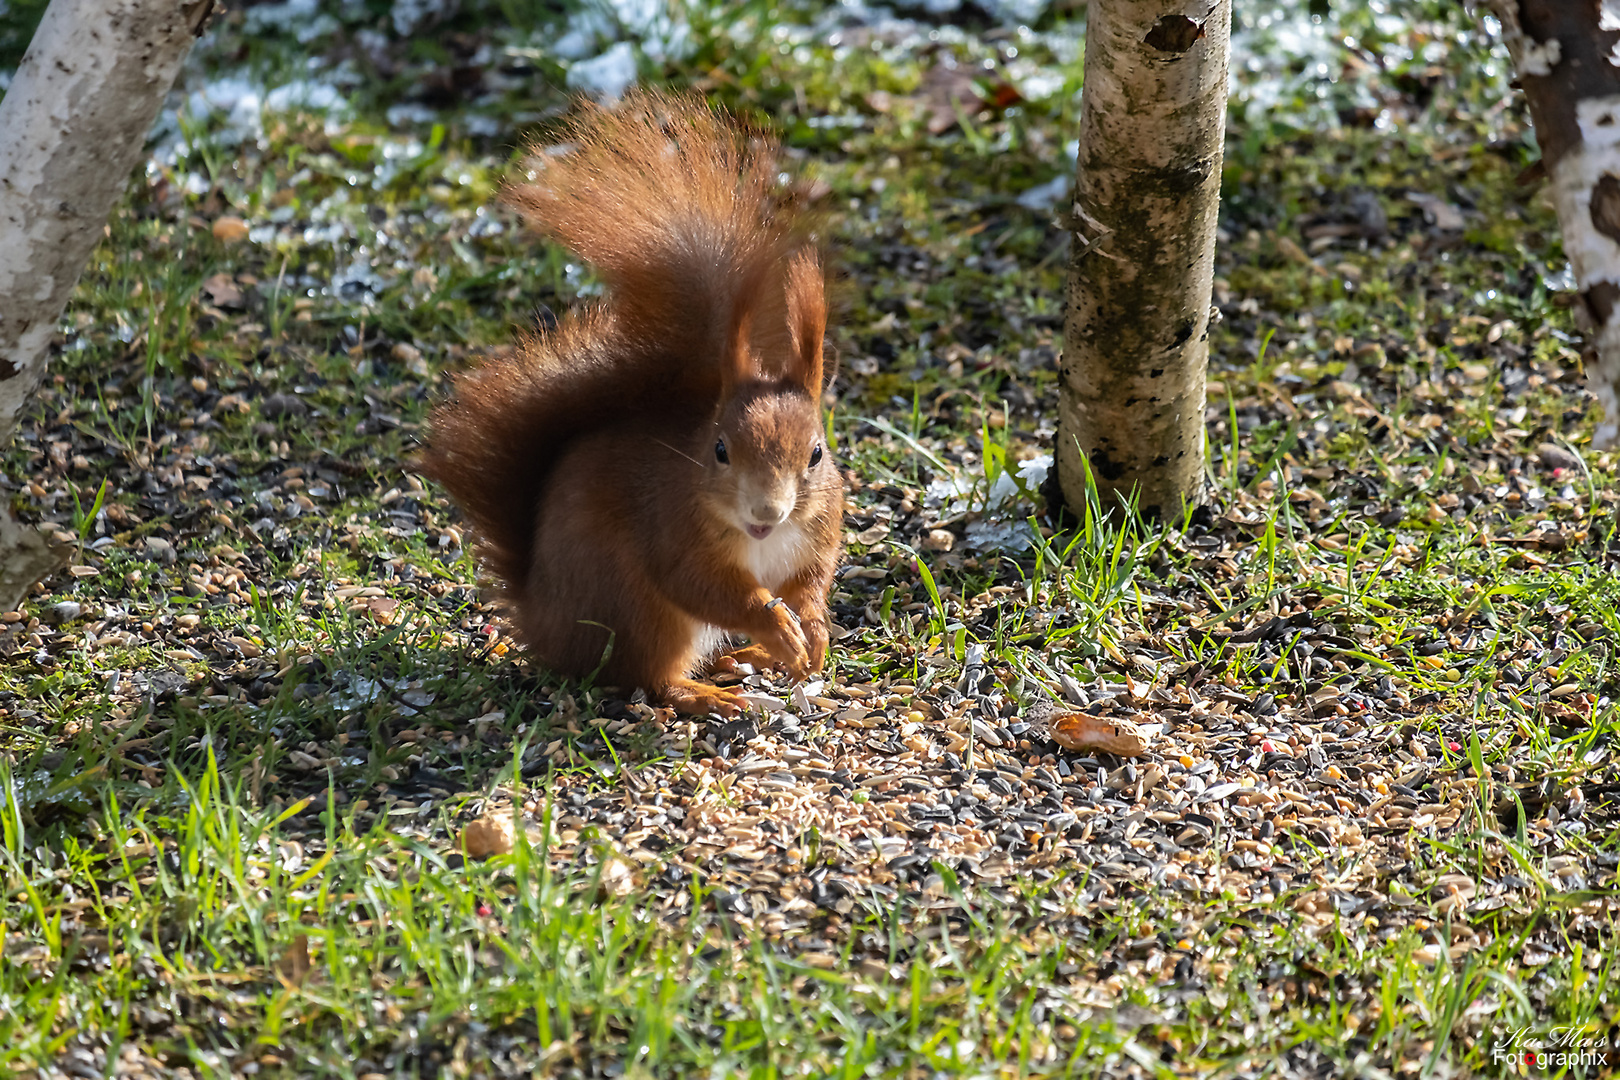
(1038, 84)
(998, 535)
(408, 15)
(1013, 12)
(410, 113)
(1043, 197)
(1540, 57)
(306, 94)
(608, 76)
(1599, 121)
(955, 494)
(237, 101)
(587, 29)
(1001, 522)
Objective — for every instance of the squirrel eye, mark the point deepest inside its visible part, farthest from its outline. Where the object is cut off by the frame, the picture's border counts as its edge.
(815, 456)
(720, 454)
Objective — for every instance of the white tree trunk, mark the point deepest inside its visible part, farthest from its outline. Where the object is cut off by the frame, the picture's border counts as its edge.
(1568, 59)
(1152, 128)
(72, 127)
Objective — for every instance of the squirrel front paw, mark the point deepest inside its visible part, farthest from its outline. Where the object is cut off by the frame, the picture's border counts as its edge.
(785, 641)
(815, 641)
(754, 656)
(699, 698)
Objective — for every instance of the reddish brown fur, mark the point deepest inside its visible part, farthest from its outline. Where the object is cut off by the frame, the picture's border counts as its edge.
(587, 463)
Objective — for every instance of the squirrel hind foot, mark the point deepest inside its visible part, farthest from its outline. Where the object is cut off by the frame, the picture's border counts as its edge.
(700, 699)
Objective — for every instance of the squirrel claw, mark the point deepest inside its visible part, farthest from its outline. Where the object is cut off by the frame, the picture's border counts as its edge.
(785, 645)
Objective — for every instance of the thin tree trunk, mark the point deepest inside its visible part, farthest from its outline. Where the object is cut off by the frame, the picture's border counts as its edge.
(1566, 56)
(72, 127)
(1152, 126)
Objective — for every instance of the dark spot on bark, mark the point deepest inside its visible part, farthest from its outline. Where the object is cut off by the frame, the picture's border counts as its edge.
(7, 369)
(1160, 462)
(1185, 332)
(1185, 179)
(1606, 206)
(1600, 301)
(1105, 466)
(1156, 373)
(1174, 34)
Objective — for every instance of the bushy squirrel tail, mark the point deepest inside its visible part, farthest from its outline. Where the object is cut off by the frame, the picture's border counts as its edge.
(669, 202)
(493, 446)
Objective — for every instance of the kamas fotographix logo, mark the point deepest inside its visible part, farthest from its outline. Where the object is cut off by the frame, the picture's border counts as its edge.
(1556, 1048)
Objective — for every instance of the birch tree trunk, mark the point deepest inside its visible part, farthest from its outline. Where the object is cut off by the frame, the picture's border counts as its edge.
(72, 127)
(1152, 127)
(1567, 54)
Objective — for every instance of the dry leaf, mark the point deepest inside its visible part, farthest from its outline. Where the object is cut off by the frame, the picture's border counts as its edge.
(221, 290)
(1082, 731)
(384, 609)
(489, 835)
(230, 230)
(1074, 730)
(874, 535)
(945, 92)
(1439, 213)
(294, 966)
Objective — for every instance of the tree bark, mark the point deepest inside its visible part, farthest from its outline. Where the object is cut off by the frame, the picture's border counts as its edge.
(1147, 192)
(1566, 54)
(72, 127)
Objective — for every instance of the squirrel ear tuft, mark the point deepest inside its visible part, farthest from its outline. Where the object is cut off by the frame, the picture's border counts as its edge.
(807, 318)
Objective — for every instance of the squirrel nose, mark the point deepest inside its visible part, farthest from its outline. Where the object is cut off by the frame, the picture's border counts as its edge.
(769, 513)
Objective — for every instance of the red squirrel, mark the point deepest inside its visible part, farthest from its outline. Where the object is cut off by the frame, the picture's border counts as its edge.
(650, 477)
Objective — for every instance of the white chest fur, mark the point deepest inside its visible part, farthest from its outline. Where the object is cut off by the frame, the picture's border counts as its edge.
(777, 557)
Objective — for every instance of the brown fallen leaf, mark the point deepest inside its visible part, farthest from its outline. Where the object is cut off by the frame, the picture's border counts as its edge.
(947, 91)
(384, 609)
(1001, 95)
(489, 835)
(1075, 730)
(221, 290)
(230, 230)
(294, 966)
